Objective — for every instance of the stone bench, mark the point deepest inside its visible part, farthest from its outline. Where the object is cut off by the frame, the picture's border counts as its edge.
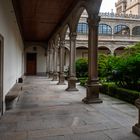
(12, 97)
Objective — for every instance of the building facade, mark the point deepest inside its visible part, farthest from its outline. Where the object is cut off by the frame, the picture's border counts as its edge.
(128, 7)
(116, 32)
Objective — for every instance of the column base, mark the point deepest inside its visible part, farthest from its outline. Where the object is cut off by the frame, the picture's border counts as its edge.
(47, 74)
(136, 129)
(72, 84)
(50, 74)
(91, 101)
(92, 93)
(55, 77)
(61, 83)
(61, 80)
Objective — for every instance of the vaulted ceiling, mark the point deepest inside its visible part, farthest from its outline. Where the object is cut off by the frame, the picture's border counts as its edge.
(38, 19)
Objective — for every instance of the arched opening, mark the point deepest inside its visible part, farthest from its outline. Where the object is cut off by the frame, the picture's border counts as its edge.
(1, 75)
(104, 50)
(81, 52)
(121, 30)
(136, 31)
(104, 29)
(119, 51)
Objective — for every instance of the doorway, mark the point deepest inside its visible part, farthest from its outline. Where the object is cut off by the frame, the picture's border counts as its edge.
(1, 75)
(31, 64)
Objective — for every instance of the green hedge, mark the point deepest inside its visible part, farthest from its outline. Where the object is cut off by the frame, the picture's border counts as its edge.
(120, 93)
(83, 81)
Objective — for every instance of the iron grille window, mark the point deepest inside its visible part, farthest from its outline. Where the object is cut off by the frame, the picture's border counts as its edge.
(121, 30)
(82, 28)
(136, 30)
(105, 29)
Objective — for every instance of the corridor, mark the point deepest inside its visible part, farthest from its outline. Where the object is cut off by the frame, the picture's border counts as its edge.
(45, 111)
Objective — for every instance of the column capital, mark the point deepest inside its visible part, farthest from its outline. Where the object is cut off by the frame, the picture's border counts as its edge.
(93, 20)
(55, 49)
(62, 43)
(73, 35)
(51, 50)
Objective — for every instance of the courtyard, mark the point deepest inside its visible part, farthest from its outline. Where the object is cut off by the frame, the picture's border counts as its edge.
(45, 111)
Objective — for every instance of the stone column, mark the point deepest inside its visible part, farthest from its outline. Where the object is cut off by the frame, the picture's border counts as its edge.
(93, 81)
(131, 29)
(48, 63)
(72, 69)
(61, 63)
(51, 63)
(55, 73)
(136, 128)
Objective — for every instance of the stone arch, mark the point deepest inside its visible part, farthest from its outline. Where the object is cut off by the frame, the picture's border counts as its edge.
(1, 74)
(81, 46)
(81, 52)
(119, 50)
(104, 50)
(121, 29)
(66, 31)
(136, 31)
(56, 41)
(105, 29)
(75, 18)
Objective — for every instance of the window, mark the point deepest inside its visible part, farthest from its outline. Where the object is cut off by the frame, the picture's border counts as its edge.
(82, 28)
(105, 29)
(136, 30)
(121, 30)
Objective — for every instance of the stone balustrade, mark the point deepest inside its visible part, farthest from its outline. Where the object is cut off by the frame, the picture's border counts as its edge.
(122, 15)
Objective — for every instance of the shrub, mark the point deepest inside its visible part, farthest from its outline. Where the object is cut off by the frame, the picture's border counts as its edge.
(82, 67)
(120, 93)
(83, 81)
(106, 65)
(127, 72)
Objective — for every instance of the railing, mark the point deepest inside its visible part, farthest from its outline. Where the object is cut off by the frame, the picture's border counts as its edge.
(119, 38)
(115, 15)
(84, 37)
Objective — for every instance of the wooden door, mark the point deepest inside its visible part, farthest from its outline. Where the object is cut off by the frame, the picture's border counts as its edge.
(31, 64)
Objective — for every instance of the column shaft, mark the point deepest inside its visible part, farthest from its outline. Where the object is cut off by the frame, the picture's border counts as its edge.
(93, 82)
(51, 63)
(61, 63)
(55, 74)
(72, 72)
(48, 63)
(136, 127)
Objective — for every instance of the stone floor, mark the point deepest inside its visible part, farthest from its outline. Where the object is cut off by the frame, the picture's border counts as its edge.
(45, 111)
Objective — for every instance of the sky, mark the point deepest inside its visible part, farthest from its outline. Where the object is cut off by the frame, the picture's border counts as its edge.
(107, 5)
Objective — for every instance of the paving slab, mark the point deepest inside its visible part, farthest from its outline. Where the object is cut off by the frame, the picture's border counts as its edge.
(45, 111)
